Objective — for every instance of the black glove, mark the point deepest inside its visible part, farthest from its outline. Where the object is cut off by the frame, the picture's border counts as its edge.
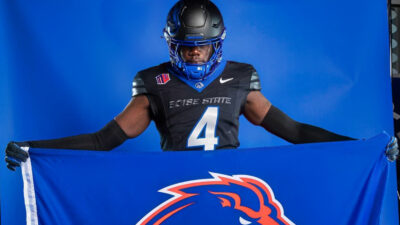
(392, 150)
(15, 154)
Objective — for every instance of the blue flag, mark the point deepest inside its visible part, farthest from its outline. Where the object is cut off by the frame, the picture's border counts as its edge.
(323, 183)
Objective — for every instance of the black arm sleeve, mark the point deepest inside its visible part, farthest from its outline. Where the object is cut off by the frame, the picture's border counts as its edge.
(109, 137)
(278, 123)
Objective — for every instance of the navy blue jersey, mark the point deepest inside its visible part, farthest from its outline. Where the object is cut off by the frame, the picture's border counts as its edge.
(197, 115)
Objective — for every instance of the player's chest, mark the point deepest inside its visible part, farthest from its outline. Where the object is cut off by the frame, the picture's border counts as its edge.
(180, 97)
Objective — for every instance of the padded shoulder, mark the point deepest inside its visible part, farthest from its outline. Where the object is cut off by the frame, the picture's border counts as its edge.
(142, 82)
(245, 71)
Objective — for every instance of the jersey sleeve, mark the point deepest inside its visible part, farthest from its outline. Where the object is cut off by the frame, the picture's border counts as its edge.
(254, 81)
(138, 87)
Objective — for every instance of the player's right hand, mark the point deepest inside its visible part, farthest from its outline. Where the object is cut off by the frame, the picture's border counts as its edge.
(15, 154)
(392, 150)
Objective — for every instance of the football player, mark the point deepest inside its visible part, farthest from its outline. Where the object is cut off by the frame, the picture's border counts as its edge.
(195, 99)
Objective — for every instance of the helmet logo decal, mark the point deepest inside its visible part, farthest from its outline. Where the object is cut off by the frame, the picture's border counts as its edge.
(238, 198)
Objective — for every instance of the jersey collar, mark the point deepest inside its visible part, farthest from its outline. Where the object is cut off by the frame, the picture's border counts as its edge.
(197, 85)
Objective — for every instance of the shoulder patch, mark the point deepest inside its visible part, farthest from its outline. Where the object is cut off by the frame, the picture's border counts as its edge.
(163, 78)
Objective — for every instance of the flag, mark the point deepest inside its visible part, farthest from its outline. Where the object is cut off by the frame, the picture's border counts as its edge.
(322, 183)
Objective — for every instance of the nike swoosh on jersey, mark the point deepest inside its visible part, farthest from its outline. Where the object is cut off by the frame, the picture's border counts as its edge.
(224, 81)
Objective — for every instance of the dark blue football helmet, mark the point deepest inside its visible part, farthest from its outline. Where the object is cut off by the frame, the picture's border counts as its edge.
(194, 23)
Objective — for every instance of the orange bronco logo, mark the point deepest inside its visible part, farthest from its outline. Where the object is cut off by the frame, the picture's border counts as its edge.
(237, 199)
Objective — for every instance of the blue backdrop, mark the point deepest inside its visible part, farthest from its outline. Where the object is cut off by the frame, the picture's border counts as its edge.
(66, 67)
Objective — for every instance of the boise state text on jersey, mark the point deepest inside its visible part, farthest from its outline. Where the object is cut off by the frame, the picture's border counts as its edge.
(193, 114)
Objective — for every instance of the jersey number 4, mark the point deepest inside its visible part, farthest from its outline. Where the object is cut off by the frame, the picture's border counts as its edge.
(203, 133)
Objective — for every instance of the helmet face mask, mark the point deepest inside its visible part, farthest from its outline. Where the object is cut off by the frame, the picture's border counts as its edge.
(194, 23)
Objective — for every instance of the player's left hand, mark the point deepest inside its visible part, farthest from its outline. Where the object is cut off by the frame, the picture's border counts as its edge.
(392, 149)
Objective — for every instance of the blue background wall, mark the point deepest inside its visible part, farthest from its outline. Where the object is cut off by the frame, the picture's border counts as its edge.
(66, 67)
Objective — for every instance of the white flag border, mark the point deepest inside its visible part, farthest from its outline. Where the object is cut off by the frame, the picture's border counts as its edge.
(29, 191)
